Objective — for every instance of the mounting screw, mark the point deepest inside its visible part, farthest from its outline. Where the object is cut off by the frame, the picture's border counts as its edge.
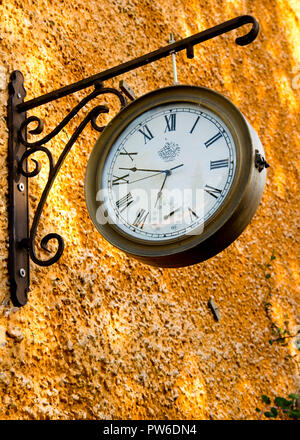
(19, 95)
(22, 272)
(21, 187)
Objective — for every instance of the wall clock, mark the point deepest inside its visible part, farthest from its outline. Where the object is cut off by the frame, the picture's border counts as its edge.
(175, 177)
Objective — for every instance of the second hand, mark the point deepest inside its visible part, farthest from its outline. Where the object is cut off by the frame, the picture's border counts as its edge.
(168, 172)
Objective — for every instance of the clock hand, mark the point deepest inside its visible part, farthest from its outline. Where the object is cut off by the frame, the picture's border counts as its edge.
(143, 178)
(178, 166)
(163, 184)
(168, 173)
(134, 169)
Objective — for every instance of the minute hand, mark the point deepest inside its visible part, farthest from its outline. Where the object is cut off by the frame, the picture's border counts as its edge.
(134, 169)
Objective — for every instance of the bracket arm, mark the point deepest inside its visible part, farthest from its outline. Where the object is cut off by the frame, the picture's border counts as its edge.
(184, 44)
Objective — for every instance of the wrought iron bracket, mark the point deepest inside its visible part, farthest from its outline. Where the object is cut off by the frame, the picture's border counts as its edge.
(21, 235)
(18, 263)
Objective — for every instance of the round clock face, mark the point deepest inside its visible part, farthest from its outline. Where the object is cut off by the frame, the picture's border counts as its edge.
(173, 179)
(169, 172)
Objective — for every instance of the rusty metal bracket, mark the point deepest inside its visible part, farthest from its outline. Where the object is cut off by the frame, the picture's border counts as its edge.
(21, 236)
(18, 262)
(22, 240)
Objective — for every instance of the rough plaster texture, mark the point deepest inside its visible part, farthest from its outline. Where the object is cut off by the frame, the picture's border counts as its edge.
(105, 337)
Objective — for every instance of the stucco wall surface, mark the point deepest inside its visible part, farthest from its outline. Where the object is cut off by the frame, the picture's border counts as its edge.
(105, 337)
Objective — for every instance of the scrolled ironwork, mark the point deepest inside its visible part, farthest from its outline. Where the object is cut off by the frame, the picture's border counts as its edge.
(37, 146)
(66, 120)
(38, 166)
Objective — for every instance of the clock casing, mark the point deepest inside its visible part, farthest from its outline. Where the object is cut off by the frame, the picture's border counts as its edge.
(229, 219)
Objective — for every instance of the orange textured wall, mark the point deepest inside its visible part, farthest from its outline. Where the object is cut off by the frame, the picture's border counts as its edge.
(105, 337)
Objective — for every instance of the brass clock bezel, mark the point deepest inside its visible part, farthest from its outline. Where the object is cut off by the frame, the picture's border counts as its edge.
(229, 220)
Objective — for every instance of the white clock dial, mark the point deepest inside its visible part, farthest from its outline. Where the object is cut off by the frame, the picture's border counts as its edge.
(169, 172)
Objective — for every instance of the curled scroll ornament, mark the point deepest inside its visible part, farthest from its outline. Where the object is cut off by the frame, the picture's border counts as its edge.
(33, 147)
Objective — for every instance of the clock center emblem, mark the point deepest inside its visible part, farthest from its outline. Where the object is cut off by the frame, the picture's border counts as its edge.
(169, 151)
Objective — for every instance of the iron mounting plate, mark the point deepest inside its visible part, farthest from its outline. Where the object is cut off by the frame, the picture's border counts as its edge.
(18, 263)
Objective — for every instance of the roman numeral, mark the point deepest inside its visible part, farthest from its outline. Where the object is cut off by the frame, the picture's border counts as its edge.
(171, 122)
(120, 180)
(214, 164)
(172, 213)
(147, 133)
(213, 139)
(193, 215)
(196, 122)
(125, 153)
(215, 192)
(141, 218)
(124, 202)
